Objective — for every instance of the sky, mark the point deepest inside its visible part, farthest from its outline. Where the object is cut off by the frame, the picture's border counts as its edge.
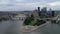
(20, 5)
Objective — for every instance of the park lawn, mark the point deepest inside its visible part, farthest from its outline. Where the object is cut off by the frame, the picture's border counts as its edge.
(33, 22)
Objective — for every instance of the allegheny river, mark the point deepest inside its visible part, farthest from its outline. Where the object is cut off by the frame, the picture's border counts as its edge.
(13, 26)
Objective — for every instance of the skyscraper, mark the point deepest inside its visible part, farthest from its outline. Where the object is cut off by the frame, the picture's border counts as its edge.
(44, 12)
(50, 9)
(53, 13)
(39, 11)
(44, 9)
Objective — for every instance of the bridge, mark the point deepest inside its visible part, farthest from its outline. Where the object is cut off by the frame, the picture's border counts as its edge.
(56, 18)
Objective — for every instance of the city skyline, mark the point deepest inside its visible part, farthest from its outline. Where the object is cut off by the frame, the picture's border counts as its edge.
(19, 5)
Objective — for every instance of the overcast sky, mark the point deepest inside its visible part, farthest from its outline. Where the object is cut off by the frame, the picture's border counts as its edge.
(18, 5)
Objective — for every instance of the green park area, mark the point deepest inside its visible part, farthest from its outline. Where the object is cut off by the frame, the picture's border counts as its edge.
(33, 21)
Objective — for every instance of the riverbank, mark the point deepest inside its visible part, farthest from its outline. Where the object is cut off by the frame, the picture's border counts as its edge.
(30, 28)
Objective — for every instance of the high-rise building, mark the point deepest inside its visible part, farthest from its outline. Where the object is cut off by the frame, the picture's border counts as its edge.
(49, 13)
(44, 12)
(39, 11)
(50, 9)
(44, 9)
(53, 13)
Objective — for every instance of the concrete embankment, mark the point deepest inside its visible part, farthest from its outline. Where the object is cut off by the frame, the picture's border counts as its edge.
(29, 28)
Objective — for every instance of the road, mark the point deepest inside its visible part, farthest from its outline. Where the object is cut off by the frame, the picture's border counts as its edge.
(12, 27)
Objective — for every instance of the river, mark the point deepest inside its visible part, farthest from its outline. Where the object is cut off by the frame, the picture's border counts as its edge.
(13, 26)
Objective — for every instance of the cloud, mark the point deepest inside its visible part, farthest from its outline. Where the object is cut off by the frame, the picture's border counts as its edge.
(17, 5)
(57, 3)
